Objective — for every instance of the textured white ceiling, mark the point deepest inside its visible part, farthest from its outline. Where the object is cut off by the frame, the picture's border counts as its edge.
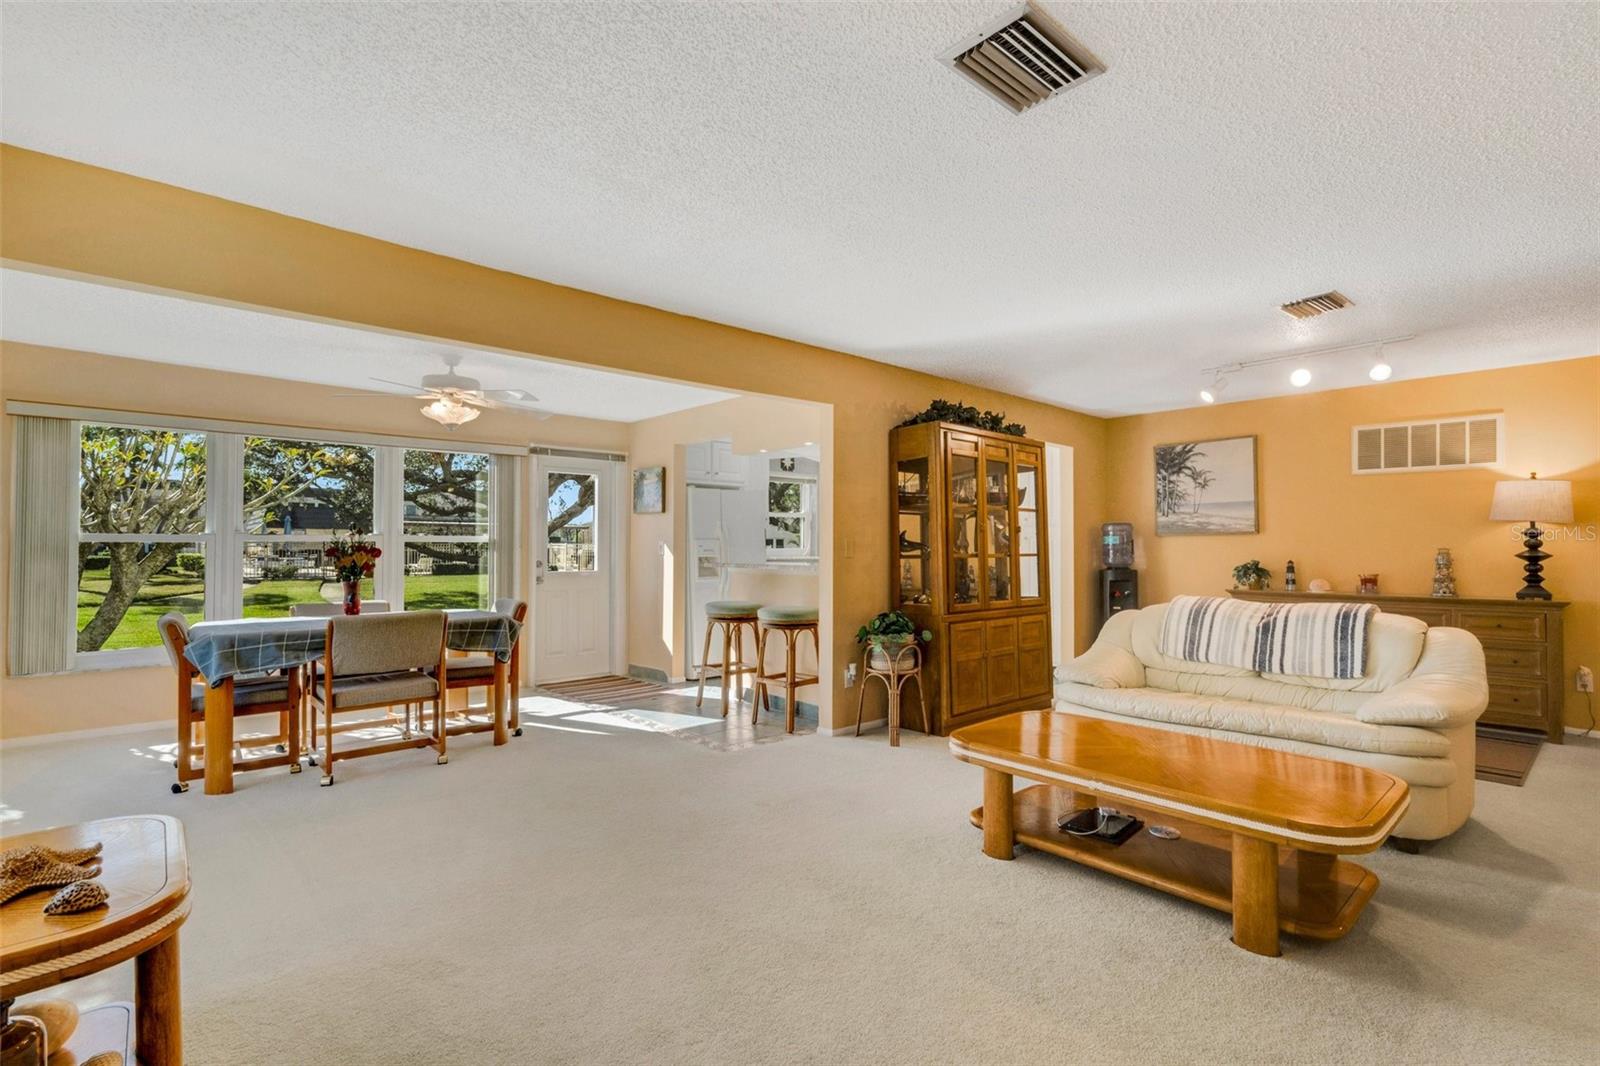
(82, 315)
(811, 170)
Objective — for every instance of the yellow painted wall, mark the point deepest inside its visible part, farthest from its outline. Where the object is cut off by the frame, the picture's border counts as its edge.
(1335, 524)
(658, 545)
(67, 216)
(100, 699)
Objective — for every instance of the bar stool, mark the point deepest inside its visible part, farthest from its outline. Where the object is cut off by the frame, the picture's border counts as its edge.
(791, 622)
(731, 616)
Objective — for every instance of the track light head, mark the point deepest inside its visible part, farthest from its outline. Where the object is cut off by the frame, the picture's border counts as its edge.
(1300, 378)
(1380, 366)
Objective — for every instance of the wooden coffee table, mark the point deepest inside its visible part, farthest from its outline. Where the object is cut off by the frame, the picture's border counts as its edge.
(146, 869)
(1261, 829)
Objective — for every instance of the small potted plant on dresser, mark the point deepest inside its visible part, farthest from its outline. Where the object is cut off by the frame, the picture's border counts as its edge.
(888, 634)
(1251, 575)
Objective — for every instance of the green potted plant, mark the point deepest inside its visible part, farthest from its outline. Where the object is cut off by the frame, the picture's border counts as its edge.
(887, 635)
(1251, 575)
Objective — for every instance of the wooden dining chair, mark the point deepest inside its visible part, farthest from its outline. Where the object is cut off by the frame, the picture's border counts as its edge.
(278, 695)
(308, 677)
(381, 660)
(476, 670)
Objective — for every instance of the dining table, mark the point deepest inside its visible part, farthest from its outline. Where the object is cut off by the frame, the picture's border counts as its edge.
(226, 649)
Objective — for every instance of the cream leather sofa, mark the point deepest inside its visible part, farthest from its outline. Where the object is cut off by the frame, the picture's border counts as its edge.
(1413, 714)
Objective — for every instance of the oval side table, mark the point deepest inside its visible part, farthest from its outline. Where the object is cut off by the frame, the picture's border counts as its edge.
(900, 670)
(145, 867)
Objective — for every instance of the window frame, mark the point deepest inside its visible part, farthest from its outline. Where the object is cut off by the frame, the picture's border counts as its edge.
(807, 516)
(225, 537)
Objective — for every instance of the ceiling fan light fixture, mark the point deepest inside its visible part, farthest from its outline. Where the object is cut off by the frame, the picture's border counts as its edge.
(449, 412)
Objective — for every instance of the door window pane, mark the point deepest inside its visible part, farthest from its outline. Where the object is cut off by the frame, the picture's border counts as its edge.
(141, 481)
(278, 574)
(446, 493)
(1000, 578)
(999, 483)
(966, 581)
(297, 486)
(123, 588)
(570, 533)
(441, 576)
(1027, 485)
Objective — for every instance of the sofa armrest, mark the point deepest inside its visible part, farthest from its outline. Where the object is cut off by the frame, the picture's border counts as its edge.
(1449, 686)
(1109, 662)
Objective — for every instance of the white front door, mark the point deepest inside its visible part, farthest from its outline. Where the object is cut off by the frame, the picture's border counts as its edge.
(572, 568)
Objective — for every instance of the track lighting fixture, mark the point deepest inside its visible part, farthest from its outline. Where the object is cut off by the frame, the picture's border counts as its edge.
(1301, 377)
(1380, 366)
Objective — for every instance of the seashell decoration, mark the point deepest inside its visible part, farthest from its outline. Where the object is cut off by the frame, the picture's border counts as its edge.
(105, 1058)
(25, 869)
(1319, 584)
(77, 897)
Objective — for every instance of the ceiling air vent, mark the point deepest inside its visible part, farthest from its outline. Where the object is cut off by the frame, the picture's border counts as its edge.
(1023, 59)
(1446, 444)
(1312, 306)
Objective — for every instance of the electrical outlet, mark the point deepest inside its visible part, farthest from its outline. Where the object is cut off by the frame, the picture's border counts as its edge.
(1585, 679)
(850, 676)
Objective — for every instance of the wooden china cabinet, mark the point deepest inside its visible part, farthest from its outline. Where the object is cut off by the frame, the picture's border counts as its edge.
(970, 563)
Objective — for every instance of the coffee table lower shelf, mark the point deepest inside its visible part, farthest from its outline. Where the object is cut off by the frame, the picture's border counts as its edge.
(1319, 896)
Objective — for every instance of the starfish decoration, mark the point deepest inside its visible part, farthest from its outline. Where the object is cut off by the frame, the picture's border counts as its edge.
(25, 869)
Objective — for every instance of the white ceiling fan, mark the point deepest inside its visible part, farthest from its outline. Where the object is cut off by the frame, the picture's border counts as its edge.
(455, 399)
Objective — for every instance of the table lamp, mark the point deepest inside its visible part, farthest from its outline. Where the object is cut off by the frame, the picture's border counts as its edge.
(1532, 501)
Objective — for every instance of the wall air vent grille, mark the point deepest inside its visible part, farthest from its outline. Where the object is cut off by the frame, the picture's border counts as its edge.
(1312, 306)
(1443, 444)
(1023, 59)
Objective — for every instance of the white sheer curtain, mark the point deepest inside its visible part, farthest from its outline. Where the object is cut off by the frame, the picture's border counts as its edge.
(510, 471)
(42, 626)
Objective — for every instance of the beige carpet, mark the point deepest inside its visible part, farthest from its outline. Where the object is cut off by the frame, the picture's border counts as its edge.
(596, 892)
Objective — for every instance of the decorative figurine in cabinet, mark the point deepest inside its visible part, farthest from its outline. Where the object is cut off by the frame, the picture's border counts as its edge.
(971, 563)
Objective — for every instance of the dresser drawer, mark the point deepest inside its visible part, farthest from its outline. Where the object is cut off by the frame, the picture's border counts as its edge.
(1514, 661)
(1514, 625)
(1515, 703)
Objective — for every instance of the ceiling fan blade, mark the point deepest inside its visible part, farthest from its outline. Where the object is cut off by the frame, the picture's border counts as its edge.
(479, 401)
(514, 395)
(409, 386)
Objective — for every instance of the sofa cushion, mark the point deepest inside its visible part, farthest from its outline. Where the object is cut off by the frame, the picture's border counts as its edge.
(1419, 773)
(1328, 728)
(1449, 686)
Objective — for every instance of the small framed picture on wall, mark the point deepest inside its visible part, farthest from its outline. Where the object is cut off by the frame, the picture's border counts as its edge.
(1206, 486)
(650, 490)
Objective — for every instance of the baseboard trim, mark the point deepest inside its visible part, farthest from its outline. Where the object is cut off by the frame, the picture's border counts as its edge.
(86, 734)
(868, 726)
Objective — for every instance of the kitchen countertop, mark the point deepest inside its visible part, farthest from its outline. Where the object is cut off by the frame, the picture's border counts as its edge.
(787, 566)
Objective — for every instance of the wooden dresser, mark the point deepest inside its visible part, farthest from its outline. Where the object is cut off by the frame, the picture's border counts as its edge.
(1521, 646)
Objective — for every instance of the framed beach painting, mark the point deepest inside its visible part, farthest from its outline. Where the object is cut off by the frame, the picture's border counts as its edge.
(650, 490)
(1206, 486)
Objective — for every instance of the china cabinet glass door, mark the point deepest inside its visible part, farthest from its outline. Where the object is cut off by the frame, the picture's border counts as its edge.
(1027, 549)
(914, 551)
(965, 554)
(997, 548)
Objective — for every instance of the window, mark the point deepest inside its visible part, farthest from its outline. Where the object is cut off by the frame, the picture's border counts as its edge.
(446, 529)
(791, 517)
(297, 495)
(142, 533)
(570, 532)
(230, 525)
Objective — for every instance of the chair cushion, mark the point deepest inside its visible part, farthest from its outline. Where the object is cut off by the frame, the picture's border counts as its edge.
(784, 613)
(246, 694)
(381, 689)
(731, 609)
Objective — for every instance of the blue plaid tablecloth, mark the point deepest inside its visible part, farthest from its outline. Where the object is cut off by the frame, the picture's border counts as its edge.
(220, 650)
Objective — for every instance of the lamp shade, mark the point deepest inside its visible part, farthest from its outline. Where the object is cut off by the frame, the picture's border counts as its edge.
(1532, 501)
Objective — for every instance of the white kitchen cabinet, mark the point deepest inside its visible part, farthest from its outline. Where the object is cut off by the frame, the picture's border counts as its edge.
(712, 462)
